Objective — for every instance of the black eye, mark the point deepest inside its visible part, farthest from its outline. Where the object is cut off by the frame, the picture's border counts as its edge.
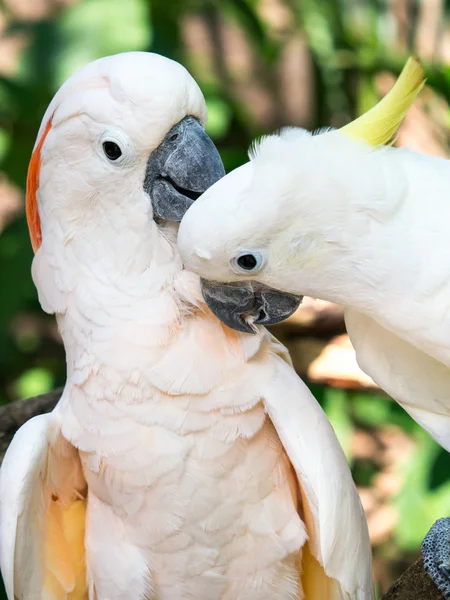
(173, 137)
(247, 262)
(112, 150)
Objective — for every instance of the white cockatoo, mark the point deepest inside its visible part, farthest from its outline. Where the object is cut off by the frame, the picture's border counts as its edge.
(184, 460)
(332, 217)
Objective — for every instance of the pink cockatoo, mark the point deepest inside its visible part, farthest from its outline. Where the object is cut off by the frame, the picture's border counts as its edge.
(184, 460)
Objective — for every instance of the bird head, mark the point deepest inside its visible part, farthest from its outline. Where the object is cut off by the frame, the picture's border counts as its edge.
(120, 156)
(273, 225)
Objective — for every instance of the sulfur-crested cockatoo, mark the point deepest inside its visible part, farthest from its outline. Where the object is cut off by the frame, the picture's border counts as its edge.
(184, 460)
(332, 217)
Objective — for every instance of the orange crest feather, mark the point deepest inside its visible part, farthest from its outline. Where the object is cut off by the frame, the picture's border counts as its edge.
(32, 211)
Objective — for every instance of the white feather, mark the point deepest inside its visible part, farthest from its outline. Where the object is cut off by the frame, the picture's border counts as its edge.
(363, 227)
(191, 492)
(338, 531)
(37, 464)
(415, 379)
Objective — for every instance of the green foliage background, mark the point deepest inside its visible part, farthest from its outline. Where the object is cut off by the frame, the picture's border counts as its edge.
(348, 43)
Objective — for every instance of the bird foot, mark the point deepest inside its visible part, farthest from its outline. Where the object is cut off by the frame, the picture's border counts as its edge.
(436, 555)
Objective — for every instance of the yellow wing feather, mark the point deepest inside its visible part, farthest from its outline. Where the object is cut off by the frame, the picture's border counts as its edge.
(379, 125)
(42, 514)
(316, 585)
(65, 576)
(74, 520)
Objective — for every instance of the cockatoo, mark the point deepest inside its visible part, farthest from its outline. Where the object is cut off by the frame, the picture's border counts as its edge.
(332, 217)
(184, 460)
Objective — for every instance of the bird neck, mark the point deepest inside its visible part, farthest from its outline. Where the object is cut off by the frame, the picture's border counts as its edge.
(159, 340)
(121, 326)
(111, 294)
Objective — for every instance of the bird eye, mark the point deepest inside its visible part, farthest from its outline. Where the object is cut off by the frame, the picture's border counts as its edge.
(112, 150)
(248, 262)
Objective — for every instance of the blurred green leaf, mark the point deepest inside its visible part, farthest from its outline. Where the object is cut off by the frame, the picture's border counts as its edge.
(219, 117)
(419, 506)
(34, 382)
(367, 97)
(5, 140)
(246, 14)
(337, 408)
(370, 409)
(96, 28)
(377, 591)
(363, 472)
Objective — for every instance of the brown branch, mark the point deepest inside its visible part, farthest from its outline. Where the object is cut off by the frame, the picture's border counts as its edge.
(414, 584)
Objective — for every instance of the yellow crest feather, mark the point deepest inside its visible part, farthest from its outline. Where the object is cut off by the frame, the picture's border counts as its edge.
(379, 125)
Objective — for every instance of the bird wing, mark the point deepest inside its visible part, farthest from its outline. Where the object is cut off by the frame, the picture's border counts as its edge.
(419, 382)
(42, 515)
(337, 565)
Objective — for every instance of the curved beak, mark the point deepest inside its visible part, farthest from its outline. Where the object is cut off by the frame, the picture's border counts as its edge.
(244, 304)
(185, 164)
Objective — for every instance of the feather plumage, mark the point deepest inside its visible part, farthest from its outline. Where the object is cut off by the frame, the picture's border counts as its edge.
(380, 124)
(193, 491)
(341, 217)
(42, 514)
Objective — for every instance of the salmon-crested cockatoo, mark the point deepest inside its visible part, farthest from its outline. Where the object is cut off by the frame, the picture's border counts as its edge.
(184, 459)
(333, 217)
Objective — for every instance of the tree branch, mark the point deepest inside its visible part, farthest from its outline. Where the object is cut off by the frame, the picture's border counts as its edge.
(14, 415)
(414, 584)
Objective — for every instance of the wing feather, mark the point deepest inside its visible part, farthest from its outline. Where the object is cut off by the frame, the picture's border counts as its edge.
(331, 508)
(419, 382)
(42, 515)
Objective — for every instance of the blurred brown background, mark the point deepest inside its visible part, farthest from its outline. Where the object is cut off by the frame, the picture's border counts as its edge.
(261, 64)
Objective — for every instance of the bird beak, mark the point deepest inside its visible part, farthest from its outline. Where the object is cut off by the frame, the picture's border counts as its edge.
(244, 304)
(184, 165)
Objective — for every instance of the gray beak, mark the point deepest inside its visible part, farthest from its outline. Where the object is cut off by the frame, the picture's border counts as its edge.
(245, 304)
(184, 165)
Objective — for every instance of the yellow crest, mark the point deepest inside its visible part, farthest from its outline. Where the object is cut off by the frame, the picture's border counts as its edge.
(379, 125)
